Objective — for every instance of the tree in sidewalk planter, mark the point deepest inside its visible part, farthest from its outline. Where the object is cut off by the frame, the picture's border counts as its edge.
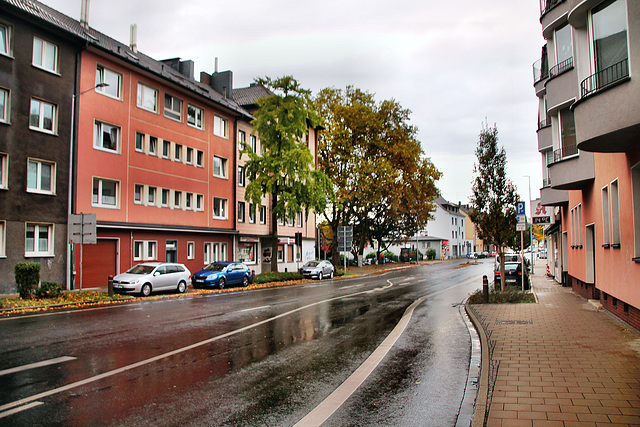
(494, 198)
(385, 186)
(27, 276)
(285, 168)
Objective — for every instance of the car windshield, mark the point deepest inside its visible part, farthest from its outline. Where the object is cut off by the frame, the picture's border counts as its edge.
(511, 267)
(141, 269)
(215, 267)
(312, 264)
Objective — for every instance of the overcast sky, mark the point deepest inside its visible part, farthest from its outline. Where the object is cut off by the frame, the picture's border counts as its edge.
(453, 63)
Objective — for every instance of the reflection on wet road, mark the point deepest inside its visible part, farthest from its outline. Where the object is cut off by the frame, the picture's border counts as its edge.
(262, 357)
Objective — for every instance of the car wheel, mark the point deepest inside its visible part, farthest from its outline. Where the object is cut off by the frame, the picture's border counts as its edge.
(331, 275)
(221, 283)
(245, 281)
(146, 290)
(182, 286)
(320, 276)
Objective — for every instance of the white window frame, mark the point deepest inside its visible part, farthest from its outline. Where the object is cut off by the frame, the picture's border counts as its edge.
(241, 179)
(153, 145)
(299, 219)
(252, 213)
(191, 250)
(5, 107)
(615, 214)
(240, 211)
(177, 152)
(138, 193)
(188, 201)
(4, 171)
(173, 107)
(144, 91)
(199, 203)
(606, 217)
(36, 251)
(152, 196)
(195, 120)
(635, 188)
(112, 78)
(166, 149)
(140, 142)
(263, 214)
(98, 136)
(220, 126)
(99, 203)
(145, 250)
(199, 160)
(219, 205)
(40, 126)
(188, 156)
(242, 137)
(38, 187)
(43, 49)
(254, 143)
(220, 164)
(214, 251)
(7, 48)
(177, 199)
(165, 193)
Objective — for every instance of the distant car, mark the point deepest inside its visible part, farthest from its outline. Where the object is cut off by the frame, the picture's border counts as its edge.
(513, 275)
(152, 277)
(222, 274)
(318, 269)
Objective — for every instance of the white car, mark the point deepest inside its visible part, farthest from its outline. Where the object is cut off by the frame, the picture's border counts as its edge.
(151, 277)
(318, 269)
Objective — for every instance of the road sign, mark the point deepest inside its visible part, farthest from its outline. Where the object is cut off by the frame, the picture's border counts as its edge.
(541, 220)
(522, 218)
(82, 229)
(345, 239)
(520, 208)
(521, 226)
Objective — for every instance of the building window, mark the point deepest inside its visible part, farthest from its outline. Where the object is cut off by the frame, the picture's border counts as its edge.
(199, 158)
(188, 201)
(138, 189)
(140, 142)
(172, 107)
(247, 253)
(111, 78)
(564, 51)
(567, 134)
(220, 126)
(165, 198)
(177, 152)
(153, 146)
(166, 148)
(263, 214)
(299, 219)
(240, 211)
(219, 208)
(189, 156)
(199, 202)
(151, 196)
(105, 193)
(606, 225)
(4, 106)
(45, 55)
(615, 215)
(191, 250)
(254, 144)
(144, 250)
(147, 98)
(5, 39)
(252, 213)
(107, 137)
(3, 239)
(41, 177)
(219, 167)
(4, 171)
(194, 116)
(609, 22)
(240, 176)
(43, 116)
(177, 199)
(635, 184)
(39, 240)
(215, 252)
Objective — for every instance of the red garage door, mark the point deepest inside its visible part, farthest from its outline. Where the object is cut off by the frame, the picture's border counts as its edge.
(99, 262)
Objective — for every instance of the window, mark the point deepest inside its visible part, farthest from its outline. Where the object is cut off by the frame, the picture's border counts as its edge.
(111, 78)
(252, 213)
(144, 250)
(220, 126)
(199, 158)
(215, 252)
(564, 51)
(567, 133)
(138, 189)
(189, 155)
(177, 199)
(151, 196)
(45, 55)
(165, 197)
(4, 105)
(240, 211)
(299, 219)
(635, 184)
(177, 152)
(194, 116)
(188, 201)
(41, 177)
(147, 98)
(105, 193)
(609, 22)
(107, 137)
(153, 146)
(140, 142)
(5, 40)
(3, 239)
(615, 215)
(219, 167)
(199, 202)
(606, 225)
(263, 214)
(219, 208)
(240, 176)
(39, 240)
(246, 252)
(4, 171)
(43, 116)
(242, 137)
(191, 250)
(172, 107)
(166, 148)
(254, 144)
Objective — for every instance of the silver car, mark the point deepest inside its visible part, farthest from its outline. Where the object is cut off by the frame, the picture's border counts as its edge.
(318, 269)
(151, 277)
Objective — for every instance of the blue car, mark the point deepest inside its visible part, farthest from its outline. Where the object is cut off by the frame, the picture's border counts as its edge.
(222, 274)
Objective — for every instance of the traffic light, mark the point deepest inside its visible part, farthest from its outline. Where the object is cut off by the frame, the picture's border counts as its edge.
(298, 239)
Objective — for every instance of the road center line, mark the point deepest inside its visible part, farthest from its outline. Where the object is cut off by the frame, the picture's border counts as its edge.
(37, 365)
(113, 372)
(254, 308)
(20, 409)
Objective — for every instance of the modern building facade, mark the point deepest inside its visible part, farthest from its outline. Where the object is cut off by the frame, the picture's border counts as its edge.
(589, 138)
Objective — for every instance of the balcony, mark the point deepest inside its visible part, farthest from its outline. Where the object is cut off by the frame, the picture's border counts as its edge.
(551, 197)
(564, 152)
(604, 78)
(540, 70)
(571, 169)
(547, 5)
(545, 135)
(561, 68)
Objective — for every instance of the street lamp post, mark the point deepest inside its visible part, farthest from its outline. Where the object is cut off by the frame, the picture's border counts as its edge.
(530, 228)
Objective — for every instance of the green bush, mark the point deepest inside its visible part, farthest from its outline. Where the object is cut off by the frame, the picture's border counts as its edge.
(48, 290)
(27, 278)
(431, 254)
(511, 294)
(276, 276)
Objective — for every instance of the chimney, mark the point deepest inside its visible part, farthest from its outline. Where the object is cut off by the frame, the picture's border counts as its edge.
(134, 38)
(84, 14)
(215, 66)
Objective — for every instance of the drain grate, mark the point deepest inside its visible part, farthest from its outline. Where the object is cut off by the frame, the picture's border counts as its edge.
(514, 322)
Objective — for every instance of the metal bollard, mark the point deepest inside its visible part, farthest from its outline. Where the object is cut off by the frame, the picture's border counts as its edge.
(110, 286)
(485, 289)
(253, 276)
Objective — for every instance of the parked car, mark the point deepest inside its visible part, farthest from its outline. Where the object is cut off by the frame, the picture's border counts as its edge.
(222, 274)
(318, 269)
(152, 277)
(513, 274)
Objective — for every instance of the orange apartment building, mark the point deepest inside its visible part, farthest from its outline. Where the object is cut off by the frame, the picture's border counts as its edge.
(589, 138)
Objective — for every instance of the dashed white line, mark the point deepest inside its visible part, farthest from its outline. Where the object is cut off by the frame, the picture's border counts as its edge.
(37, 365)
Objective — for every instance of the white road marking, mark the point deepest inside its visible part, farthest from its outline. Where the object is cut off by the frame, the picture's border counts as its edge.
(254, 308)
(20, 409)
(37, 365)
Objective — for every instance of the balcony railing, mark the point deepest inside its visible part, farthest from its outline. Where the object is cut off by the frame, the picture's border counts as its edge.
(540, 70)
(546, 182)
(544, 123)
(547, 5)
(562, 67)
(564, 152)
(604, 78)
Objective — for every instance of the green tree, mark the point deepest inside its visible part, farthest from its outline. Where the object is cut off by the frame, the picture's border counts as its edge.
(285, 168)
(494, 196)
(384, 184)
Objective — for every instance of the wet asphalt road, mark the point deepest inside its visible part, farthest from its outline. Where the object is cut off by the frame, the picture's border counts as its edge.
(251, 358)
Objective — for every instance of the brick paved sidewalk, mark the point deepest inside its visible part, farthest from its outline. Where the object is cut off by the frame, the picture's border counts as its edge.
(560, 362)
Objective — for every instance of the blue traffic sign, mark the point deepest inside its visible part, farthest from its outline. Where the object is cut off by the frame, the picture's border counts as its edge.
(520, 209)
